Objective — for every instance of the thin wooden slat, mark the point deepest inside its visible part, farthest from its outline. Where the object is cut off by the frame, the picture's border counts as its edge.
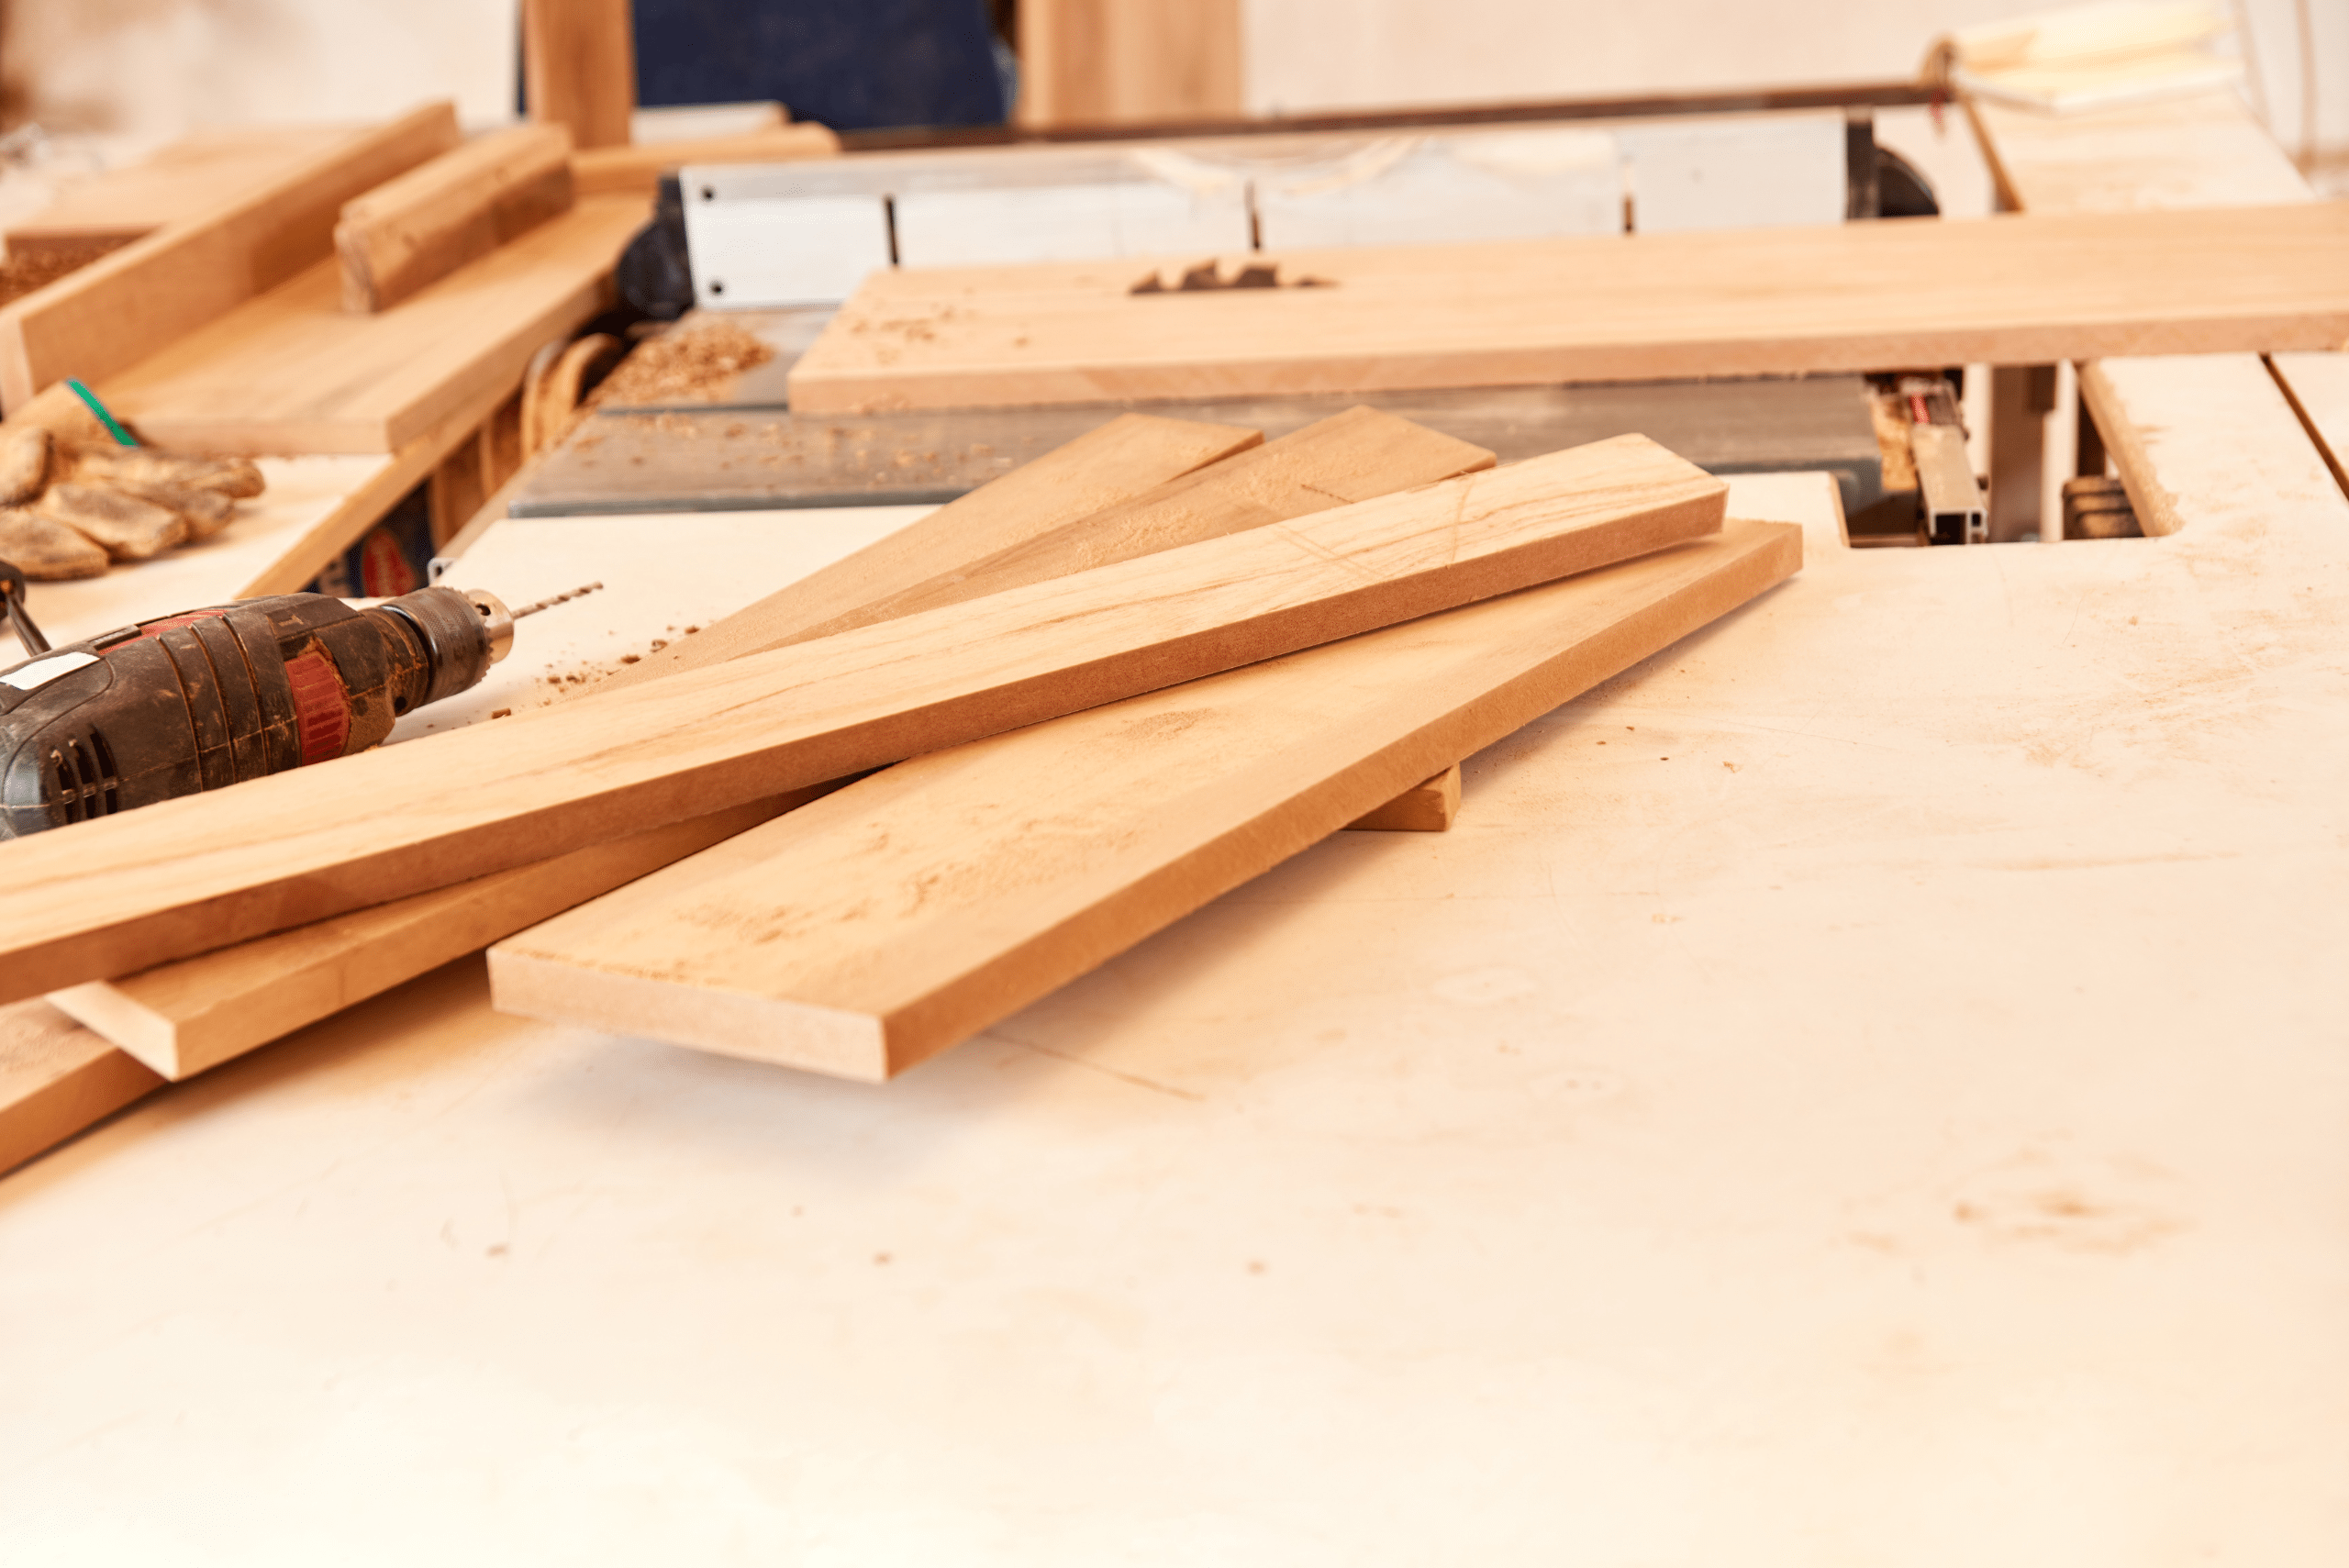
(292, 372)
(416, 229)
(1129, 456)
(121, 893)
(180, 1018)
(885, 923)
(157, 291)
(2015, 289)
(636, 171)
(56, 1079)
(1348, 456)
(579, 68)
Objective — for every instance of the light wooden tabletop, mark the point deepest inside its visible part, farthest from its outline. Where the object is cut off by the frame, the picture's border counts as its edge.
(1865, 1085)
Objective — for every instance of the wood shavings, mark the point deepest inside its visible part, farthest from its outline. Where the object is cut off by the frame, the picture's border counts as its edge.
(696, 365)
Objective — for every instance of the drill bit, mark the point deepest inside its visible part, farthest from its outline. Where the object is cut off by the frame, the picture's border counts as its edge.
(550, 604)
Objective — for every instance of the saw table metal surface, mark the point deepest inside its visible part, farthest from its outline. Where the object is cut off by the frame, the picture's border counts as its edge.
(1866, 1084)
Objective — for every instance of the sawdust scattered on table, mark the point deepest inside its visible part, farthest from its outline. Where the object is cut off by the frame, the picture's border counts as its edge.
(695, 365)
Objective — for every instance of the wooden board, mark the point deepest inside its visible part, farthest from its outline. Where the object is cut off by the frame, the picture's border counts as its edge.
(180, 1018)
(416, 229)
(1428, 806)
(57, 1078)
(876, 928)
(1087, 62)
(579, 68)
(1348, 456)
(636, 171)
(1857, 296)
(156, 291)
(292, 372)
(2200, 152)
(2318, 385)
(198, 175)
(1129, 456)
(122, 894)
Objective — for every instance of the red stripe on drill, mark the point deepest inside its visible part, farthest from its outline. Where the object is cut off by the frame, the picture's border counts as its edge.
(157, 628)
(320, 706)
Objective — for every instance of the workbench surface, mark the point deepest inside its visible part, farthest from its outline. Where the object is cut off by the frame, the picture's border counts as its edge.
(1864, 1086)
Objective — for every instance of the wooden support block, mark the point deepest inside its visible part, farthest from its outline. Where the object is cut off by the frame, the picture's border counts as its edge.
(158, 291)
(579, 68)
(883, 924)
(419, 227)
(637, 170)
(1131, 455)
(1348, 456)
(112, 896)
(180, 1018)
(292, 372)
(1091, 63)
(57, 1078)
(2015, 289)
(1426, 807)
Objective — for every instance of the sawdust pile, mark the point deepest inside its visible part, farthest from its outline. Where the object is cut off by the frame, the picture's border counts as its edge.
(696, 365)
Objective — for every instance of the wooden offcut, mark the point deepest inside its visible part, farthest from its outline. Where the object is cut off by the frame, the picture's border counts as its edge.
(160, 290)
(1860, 296)
(636, 171)
(292, 372)
(1129, 456)
(180, 1018)
(120, 894)
(419, 228)
(1426, 807)
(883, 924)
(579, 68)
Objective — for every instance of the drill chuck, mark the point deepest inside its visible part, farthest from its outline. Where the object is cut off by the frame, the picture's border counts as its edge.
(216, 696)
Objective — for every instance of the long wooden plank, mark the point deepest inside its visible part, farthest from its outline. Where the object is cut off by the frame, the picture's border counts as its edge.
(416, 229)
(636, 171)
(158, 291)
(579, 67)
(878, 927)
(1348, 456)
(58, 1078)
(122, 894)
(180, 1018)
(196, 175)
(2014, 290)
(1129, 456)
(292, 372)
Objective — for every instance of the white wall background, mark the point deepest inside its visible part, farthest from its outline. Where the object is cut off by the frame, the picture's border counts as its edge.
(153, 67)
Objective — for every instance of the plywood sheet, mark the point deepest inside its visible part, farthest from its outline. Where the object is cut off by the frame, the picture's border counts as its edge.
(1854, 296)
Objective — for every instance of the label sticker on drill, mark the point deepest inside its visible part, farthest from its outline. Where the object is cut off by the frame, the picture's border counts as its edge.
(40, 671)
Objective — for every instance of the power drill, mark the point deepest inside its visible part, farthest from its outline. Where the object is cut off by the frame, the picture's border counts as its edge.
(216, 696)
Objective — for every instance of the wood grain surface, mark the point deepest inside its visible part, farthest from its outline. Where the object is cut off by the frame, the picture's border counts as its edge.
(426, 224)
(636, 171)
(57, 1078)
(579, 68)
(198, 175)
(883, 924)
(2014, 290)
(122, 894)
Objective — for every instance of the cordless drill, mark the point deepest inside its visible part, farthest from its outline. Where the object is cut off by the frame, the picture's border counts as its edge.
(215, 697)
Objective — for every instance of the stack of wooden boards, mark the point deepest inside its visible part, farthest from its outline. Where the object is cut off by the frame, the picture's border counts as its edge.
(1133, 674)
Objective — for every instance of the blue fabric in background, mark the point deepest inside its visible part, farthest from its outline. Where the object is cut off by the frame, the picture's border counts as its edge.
(850, 65)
